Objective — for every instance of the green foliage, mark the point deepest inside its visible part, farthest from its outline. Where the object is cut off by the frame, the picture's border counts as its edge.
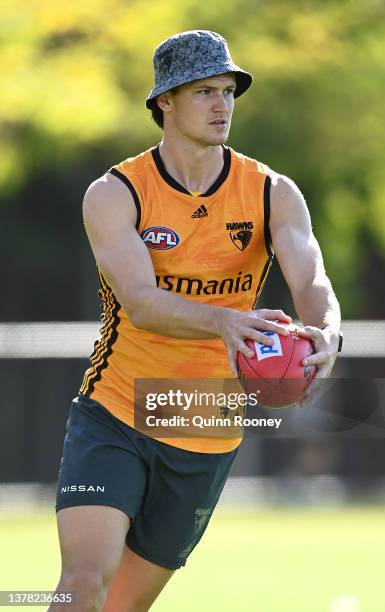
(74, 78)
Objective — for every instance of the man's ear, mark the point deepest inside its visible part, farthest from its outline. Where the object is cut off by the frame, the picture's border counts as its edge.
(164, 102)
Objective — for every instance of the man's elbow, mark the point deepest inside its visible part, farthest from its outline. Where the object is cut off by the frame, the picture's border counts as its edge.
(138, 318)
(139, 308)
(319, 283)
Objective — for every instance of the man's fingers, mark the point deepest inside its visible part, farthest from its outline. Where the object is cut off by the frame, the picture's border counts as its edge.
(233, 366)
(260, 321)
(310, 390)
(310, 332)
(313, 390)
(266, 325)
(244, 349)
(322, 372)
(233, 360)
(254, 334)
(273, 315)
(315, 386)
(317, 358)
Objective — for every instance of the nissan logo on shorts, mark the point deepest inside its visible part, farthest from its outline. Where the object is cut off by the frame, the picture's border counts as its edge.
(160, 238)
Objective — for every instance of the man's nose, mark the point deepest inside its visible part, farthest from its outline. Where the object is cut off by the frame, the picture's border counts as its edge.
(220, 103)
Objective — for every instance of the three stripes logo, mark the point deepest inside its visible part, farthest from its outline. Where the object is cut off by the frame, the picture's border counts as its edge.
(200, 212)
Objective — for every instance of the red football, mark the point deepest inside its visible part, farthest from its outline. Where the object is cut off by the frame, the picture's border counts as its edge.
(276, 372)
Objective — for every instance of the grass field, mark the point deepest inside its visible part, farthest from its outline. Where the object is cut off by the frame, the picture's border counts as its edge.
(261, 561)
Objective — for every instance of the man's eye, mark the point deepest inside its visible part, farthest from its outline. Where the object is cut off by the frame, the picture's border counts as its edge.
(204, 91)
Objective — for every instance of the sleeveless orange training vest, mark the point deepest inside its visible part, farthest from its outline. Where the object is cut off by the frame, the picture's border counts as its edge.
(212, 248)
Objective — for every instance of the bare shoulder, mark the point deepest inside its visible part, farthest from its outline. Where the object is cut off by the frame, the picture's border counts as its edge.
(284, 188)
(286, 199)
(108, 199)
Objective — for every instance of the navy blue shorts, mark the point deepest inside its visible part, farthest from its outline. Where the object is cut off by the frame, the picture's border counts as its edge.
(168, 493)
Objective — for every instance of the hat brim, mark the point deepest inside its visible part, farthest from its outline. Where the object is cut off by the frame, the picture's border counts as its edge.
(243, 81)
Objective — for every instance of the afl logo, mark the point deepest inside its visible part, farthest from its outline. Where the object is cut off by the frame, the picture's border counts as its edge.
(160, 238)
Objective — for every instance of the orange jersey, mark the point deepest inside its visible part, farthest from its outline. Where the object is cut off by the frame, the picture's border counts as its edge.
(212, 248)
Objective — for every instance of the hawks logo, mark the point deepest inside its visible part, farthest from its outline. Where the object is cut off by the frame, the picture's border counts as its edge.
(160, 238)
(202, 516)
(240, 233)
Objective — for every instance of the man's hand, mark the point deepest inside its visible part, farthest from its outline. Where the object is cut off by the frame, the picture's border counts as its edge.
(235, 327)
(326, 348)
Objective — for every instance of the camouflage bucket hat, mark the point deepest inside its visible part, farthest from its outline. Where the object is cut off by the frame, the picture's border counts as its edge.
(191, 56)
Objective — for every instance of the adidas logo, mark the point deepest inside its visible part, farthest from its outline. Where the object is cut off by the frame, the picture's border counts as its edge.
(200, 212)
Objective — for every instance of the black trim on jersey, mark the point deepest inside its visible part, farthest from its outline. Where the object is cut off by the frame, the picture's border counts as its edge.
(223, 174)
(266, 206)
(131, 187)
(114, 335)
(101, 353)
(173, 183)
(264, 274)
(267, 235)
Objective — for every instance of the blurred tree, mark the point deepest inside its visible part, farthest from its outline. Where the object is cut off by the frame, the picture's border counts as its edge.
(73, 82)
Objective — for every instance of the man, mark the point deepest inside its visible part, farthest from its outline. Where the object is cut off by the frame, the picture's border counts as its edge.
(183, 236)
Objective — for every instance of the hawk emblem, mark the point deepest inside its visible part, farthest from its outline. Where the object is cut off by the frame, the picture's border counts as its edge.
(202, 516)
(241, 238)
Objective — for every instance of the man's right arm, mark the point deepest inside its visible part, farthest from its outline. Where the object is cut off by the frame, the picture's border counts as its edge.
(122, 257)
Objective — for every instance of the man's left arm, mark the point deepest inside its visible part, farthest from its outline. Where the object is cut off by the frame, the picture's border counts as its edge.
(300, 260)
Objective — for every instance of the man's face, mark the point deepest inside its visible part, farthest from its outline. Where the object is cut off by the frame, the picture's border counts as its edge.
(202, 110)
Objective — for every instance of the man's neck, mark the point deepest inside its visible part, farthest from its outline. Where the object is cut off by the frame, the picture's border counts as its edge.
(193, 166)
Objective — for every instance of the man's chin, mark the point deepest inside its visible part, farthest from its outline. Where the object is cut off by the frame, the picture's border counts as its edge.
(210, 140)
(216, 139)
(221, 139)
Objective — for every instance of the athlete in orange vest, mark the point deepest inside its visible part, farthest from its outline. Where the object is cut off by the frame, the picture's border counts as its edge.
(183, 236)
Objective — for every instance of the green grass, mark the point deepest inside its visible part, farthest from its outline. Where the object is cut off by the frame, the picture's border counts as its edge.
(261, 561)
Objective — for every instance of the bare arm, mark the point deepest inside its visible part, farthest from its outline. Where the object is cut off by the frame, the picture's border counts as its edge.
(301, 262)
(109, 218)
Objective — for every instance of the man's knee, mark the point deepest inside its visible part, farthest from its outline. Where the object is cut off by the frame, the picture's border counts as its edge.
(87, 585)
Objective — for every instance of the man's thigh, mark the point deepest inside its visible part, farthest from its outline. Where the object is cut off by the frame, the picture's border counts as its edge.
(92, 538)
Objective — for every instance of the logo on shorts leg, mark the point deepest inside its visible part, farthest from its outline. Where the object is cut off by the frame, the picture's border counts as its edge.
(186, 551)
(82, 489)
(201, 518)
